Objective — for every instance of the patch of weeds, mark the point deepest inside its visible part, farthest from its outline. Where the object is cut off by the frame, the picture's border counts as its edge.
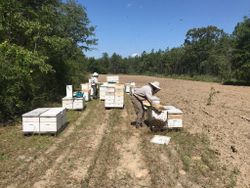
(211, 95)
(200, 161)
(232, 179)
(3, 157)
(72, 115)
(186, 162)
(106, 156)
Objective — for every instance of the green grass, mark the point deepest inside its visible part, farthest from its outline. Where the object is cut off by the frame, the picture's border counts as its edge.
(191, 153)
(18, 150)
(203, 78)
(199, 160)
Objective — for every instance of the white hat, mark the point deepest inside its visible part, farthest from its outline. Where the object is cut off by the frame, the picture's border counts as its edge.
(95, 74)
(155, 84)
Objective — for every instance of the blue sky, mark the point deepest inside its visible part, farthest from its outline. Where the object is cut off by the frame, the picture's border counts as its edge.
(131, 26)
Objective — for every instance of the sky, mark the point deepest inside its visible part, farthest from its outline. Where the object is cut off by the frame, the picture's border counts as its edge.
(129, 27)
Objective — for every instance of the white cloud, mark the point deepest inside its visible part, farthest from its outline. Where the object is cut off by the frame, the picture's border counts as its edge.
(134, 54)
(129, 5)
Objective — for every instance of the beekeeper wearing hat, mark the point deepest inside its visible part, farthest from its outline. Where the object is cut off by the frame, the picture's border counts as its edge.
(94, 81)
(141, 94)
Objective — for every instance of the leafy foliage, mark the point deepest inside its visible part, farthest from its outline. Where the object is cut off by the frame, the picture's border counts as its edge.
(241, 60)
(206, 52)
(41, 50)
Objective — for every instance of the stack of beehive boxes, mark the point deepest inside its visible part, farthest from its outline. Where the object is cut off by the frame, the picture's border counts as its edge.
(86, 89)
(132, 88)
(128, 86)
(102, 90)
(114, 97)
(44, 120)
(72, 103)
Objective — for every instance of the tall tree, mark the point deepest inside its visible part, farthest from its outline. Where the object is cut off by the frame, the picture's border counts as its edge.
(241, 54)
(198, 44)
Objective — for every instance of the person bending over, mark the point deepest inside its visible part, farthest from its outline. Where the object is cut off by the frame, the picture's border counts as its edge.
(140, 94)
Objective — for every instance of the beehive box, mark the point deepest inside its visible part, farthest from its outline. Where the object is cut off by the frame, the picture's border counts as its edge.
(52, 120)
(73, 103)
(31, 120)
(102, 90)
(113, 79)
(128, 86)
(171, 117)
(114, 96)
(69, 91)
(78, 103)
(175, 117)
(67, 102)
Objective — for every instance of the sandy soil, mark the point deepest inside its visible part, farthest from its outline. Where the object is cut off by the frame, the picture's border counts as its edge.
(226, 121)
(102, 149)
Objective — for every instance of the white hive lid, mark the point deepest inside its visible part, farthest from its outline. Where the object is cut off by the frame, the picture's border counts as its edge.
(174, 111)
(36, 112)
(52, 112)
(169, 107)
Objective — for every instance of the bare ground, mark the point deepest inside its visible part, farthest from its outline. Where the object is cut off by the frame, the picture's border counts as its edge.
(100, 148)
(226, 122)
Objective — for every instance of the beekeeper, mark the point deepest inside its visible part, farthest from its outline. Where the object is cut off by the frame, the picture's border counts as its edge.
(94, 81)
(141, 94)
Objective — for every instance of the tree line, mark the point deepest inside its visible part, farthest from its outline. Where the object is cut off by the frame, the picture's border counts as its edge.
(41, 50)
(206, 51)
(42, 46)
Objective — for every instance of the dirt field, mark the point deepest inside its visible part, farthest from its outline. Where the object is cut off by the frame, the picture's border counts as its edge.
(99, 148)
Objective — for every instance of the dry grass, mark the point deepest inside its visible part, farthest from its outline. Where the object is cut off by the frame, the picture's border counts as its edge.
(104, 150)
(18, 151)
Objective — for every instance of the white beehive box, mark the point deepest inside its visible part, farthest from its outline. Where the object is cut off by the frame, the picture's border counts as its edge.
(113, 79)
(73, 103)
(78, 103)
(114, 97)
(175, 118)
(128, 86)
(67, 102)
(31, 120)
(171, 117)
(102, 90)
(52, 120)
(69, 91)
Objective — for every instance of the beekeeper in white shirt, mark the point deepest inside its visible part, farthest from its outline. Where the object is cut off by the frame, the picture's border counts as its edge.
(144, 93)
(94, 81)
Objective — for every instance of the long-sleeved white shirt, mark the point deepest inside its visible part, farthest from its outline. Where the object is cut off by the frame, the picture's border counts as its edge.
(145, 93)
(94, 80)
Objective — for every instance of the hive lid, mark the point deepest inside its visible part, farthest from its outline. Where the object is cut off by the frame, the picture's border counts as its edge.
(159, 139)
(52, 112)
(174, 111)
(67, 98)
(35, 112)
(169, 107)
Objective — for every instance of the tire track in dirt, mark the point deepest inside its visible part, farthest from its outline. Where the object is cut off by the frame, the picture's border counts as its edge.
(105, 156)
(71, 166)
(46, 159)
(119, 161)
(132, 167)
